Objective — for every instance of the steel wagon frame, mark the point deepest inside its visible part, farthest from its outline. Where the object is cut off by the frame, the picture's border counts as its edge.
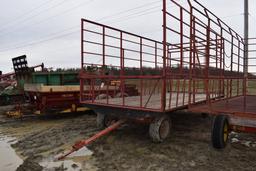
(200, 62)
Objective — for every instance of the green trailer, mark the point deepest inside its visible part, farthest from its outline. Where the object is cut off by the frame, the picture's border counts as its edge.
(51, 93)
(55, 78)
(54, 92)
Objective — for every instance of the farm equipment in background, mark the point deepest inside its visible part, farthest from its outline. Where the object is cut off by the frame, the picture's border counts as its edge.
(7, 81)
(12, 84)
(46, 92)
(54, 92)
(57, 92)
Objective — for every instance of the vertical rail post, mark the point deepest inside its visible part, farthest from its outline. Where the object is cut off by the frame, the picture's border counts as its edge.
(217, 62)
(82, 61)
(221, 81)
(181, 40)
(170, 81)
(156, 55)
(103, 60)
(103, 45)
(217, 52)
(238, 81)
(223, 64)
(82, 44)
(190, 52)
(232, 62)
(221, 76)
(181, 56)
(141, 72)
(207, 61)
(194, 60)
(122, 66)
(163, 97)
(123, 79)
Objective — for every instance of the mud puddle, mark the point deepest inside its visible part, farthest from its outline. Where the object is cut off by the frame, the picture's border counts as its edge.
(71, 163)
(9, 160)
(61, 165)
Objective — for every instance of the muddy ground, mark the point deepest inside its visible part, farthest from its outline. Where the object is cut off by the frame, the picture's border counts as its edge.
(128, 148)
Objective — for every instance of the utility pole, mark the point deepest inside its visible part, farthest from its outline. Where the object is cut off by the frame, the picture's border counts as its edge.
(246, 36)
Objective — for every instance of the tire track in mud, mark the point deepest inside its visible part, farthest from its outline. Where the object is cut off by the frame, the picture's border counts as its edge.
(43, 137)
(188, 148)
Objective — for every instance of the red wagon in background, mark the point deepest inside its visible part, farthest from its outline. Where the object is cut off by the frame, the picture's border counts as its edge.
(199, 66)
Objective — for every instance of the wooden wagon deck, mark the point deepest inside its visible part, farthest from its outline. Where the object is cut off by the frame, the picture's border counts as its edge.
(236, 105)
(41, 88)
(173, 100)
(242, 109)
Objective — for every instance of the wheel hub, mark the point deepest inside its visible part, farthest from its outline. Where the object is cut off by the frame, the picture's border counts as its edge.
(164, 129)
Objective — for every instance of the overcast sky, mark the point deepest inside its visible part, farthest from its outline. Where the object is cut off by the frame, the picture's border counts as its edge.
(49, 30)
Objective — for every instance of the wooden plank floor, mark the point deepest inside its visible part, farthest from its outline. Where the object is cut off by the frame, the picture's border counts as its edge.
(154, 102)
(242, 105)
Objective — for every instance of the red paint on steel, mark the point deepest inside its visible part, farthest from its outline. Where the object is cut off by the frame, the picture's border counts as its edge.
(243, 129)
(163, 95)
(141, 71)
(7, 75)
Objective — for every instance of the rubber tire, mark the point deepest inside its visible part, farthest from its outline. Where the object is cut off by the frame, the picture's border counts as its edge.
(154, 128)
(102, 120)
(218, 131)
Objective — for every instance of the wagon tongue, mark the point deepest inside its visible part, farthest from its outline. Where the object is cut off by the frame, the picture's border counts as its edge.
(88, 141)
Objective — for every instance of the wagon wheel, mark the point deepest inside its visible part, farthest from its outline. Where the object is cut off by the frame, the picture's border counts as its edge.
(220, 131)
(118, 95)
(104, 120)
(159, 129)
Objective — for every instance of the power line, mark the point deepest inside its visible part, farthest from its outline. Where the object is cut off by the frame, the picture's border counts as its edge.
(146, 11)
(26, 13)
(129, 10)
(51, 17)
(48, 35)
(66, 11)
(130, 16)
(132, 9)
(234, 15)
(39, 42)
(138, 15)
(79, 5)
(70, 9)
(37, 14)
(66, 34)
(74, 27)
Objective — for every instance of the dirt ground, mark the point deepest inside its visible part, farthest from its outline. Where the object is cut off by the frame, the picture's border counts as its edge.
(128, 148)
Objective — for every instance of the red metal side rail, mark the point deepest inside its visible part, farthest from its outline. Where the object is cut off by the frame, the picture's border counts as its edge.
(207, 51)
(112, 55)
(199, 60)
